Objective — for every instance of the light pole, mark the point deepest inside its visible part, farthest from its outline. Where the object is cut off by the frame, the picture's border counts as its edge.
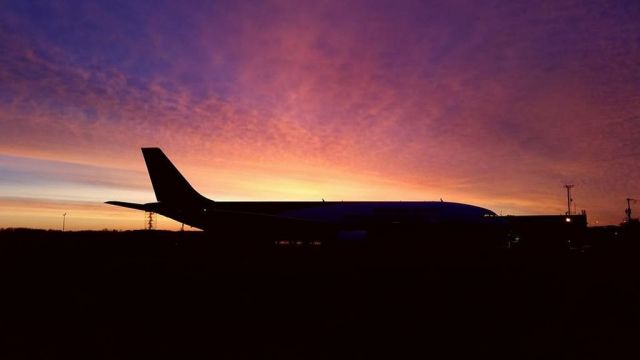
(63, 220)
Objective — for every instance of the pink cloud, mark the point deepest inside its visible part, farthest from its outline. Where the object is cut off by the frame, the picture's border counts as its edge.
(494, 105)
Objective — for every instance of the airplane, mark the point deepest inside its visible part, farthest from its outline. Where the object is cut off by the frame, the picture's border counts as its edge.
(345, 220)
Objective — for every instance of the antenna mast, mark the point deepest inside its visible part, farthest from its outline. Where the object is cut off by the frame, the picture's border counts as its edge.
(569, 198)
(628, 209)
(149, 220)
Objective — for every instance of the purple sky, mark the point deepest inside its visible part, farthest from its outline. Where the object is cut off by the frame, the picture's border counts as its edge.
(493, 103)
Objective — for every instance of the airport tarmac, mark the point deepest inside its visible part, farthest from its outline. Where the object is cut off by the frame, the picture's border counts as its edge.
(140, 294)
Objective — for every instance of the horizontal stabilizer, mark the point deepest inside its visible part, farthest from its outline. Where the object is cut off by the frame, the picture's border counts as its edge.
(142, 207)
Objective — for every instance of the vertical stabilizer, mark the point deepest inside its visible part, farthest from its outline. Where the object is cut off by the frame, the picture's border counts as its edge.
(168, 184)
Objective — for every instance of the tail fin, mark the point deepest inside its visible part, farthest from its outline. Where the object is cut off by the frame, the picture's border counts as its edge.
(168, 184)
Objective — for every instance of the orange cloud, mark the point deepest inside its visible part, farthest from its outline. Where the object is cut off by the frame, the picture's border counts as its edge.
(498, 106)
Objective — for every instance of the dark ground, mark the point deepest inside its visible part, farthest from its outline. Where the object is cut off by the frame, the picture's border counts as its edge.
(156, 294)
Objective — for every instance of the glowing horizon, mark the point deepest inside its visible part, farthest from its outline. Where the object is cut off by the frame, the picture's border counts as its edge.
(497, 106)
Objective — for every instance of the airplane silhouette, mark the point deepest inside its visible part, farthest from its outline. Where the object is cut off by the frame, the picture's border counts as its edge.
(178, 200)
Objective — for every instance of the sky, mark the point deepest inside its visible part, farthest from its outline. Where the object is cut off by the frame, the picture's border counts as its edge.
(491, 103)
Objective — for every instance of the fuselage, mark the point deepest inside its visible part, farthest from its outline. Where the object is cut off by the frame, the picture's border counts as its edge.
(342, 215)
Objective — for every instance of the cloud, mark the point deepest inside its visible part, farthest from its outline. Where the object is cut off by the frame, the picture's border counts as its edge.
(498, 103)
